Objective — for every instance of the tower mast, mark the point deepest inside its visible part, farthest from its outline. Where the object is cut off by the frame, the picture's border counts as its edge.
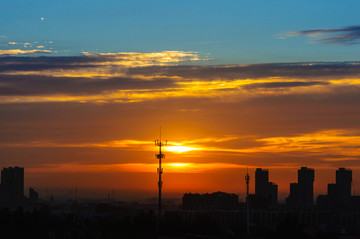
(247, 179)
(160, 156)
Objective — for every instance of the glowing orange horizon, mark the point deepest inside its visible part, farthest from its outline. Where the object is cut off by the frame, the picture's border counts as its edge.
(325, 143)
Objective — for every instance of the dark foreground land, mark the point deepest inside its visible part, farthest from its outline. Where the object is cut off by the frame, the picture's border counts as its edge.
(132, 220)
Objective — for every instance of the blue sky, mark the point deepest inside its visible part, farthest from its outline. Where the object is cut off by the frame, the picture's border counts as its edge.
(231, 32)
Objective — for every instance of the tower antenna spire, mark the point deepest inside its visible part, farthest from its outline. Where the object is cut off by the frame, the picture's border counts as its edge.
(160, 156)
(247, 179)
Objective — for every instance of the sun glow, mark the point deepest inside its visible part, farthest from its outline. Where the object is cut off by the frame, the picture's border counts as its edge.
(180, 149)
(179, 165)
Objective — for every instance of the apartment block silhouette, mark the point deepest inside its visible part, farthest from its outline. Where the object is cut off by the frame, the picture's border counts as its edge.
(266, 193)
(12, 186)
(302, 192)
(339, 193)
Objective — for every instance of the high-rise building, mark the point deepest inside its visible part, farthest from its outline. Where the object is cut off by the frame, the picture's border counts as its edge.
(343, 182)
(266, 193)
(339, 193)
(261, 181)
(12, 186)
(302, 192)
(306, 178)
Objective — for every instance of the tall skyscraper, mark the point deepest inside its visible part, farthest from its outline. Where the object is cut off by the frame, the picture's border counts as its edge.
(343, 180)
(266, 193)
(306, 178)
(339, 194)
(261, 181)
(12, 186)
(302, 192)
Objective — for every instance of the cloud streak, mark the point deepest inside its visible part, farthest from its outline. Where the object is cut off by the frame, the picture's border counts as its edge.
(330, 145)
(338, 36)
(137, 77)
(22, 52)
(229, 90)
(136, 59)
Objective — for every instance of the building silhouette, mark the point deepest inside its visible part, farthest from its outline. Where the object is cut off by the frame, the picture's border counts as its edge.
(217, 200)
(261, 181)
(12, 186)
(33, 195)
(302, 192)
(343, 188)
(339, 193)
(266, 193)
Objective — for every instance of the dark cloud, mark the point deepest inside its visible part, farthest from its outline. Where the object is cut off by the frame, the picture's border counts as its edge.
(339, 36)
(45, 85)
(284, 84)
(228, 72)
(31, 63)
(99, 74)
(301, 69)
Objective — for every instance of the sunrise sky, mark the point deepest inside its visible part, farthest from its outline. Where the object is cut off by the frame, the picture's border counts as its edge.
(86, 85)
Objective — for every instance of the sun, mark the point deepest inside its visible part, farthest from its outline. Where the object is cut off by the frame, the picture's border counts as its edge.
(179, 149)
(179, 165)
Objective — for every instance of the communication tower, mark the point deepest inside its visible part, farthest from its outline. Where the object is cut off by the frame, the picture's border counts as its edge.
(160, 156)
(247, 179)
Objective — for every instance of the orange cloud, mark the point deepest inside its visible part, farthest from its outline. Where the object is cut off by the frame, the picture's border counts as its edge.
(228, 90)
(136, 59)
(337, 142)
(19, 51)
(112, 71)
(106, 65)
(324, 142)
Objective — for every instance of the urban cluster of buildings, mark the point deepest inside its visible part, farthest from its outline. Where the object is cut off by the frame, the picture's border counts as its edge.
(337, 213)
(217, 200)
(338, 193)
(266, 194)
(12, 188)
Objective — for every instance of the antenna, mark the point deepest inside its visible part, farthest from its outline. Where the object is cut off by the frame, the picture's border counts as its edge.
(160, 156)
(247, 179)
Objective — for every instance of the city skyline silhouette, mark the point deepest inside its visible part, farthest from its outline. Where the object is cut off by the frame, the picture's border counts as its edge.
(264, 195)
(259, 102)
(261, 215)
